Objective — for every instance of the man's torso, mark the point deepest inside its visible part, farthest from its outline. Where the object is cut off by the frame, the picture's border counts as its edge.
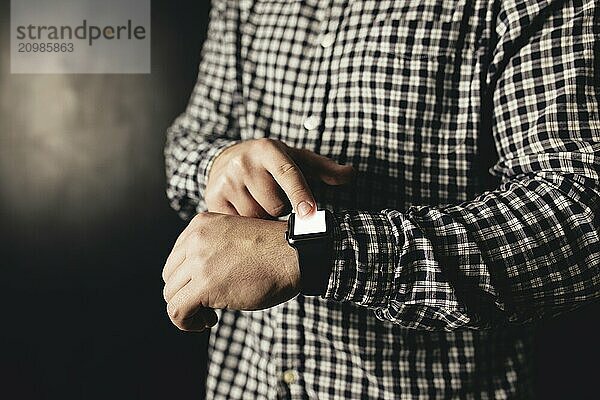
(393, 88)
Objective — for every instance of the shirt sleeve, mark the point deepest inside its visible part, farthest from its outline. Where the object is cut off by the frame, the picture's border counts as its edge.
(531, 247)
(208, 125)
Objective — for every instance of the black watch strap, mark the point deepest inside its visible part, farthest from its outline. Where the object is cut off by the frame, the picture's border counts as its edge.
(315, 258)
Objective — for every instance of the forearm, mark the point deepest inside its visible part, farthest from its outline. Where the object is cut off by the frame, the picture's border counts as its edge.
(527, 250)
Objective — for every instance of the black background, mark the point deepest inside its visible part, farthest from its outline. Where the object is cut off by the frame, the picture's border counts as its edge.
(85, 228)
(85, 225)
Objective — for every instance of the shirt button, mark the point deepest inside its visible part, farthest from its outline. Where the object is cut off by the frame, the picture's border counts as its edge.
(289, 376)
(327, 40)
(311, 123)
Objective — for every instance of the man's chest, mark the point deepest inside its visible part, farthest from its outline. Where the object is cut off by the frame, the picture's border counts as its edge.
(392, 87)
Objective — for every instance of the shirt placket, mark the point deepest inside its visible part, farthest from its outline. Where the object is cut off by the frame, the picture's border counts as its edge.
(293, 376)
(316, 97)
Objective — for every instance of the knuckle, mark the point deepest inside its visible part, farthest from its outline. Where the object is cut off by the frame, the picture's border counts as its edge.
(229, 182)
(184, 325)
(212, 198)
(179, 325)
(174, 312)
(218, 189)
(265, 143)
(286, 169)
(239, 164)
(278, 209)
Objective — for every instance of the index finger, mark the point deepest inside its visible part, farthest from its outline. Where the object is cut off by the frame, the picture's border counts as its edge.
(289, 177)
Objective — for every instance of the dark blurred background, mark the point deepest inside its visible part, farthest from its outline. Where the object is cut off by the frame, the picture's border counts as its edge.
(85, 225)
(85, 228)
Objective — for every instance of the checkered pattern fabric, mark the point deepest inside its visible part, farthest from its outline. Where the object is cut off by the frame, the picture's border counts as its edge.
(475, 131)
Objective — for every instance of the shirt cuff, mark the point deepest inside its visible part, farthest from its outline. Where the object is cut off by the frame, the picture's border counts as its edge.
(366, 247)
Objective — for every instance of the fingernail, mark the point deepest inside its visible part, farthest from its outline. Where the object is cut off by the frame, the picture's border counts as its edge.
(304, 208)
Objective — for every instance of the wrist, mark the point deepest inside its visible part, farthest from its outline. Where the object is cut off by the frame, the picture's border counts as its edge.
(287, 258)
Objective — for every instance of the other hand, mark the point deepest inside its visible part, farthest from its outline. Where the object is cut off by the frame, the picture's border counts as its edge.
(260, 178)
(224, 261)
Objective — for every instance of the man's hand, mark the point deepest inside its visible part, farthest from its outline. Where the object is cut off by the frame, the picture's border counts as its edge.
(256, 178)
(223, 261)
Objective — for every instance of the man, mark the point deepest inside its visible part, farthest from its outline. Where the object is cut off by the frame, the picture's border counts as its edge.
(456, 143)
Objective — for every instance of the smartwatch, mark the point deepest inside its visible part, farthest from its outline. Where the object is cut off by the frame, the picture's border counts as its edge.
(312, 239)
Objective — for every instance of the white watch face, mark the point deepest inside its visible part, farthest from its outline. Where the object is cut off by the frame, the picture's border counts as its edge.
(313, 224)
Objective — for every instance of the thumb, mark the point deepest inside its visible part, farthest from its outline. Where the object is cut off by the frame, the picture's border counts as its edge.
(325, 169)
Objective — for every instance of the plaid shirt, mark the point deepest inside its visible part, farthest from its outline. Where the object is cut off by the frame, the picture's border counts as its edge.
(475, 131)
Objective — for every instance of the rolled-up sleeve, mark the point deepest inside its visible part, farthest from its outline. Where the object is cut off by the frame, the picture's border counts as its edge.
(531, 247)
